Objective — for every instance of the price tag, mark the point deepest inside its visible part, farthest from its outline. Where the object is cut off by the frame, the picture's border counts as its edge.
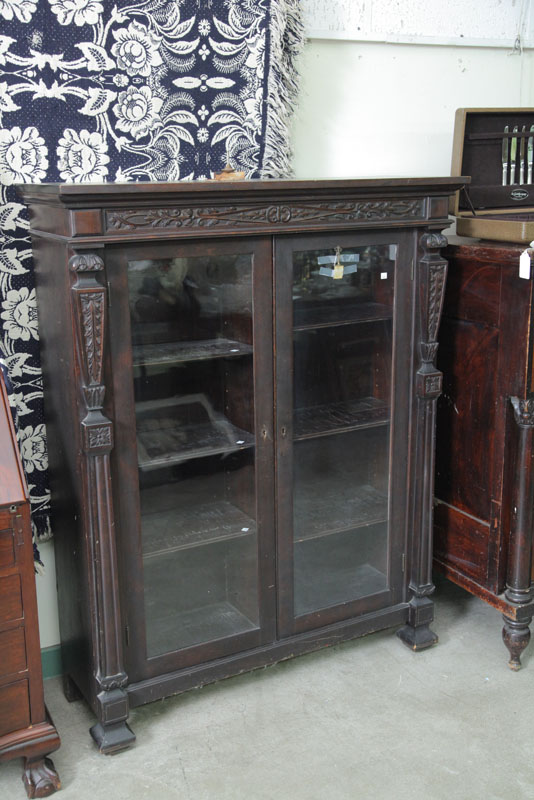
(524, 264)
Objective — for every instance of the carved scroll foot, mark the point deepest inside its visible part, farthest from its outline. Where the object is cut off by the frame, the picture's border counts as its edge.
(70, 690)
(40, 777)
(516, 636)
(416, 634)
(112, 739)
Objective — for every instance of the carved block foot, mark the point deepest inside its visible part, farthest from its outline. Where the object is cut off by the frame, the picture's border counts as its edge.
(417, 638)
(40, 777)
(516, 636)
(416, 634)
(112, 739)
(70, 690)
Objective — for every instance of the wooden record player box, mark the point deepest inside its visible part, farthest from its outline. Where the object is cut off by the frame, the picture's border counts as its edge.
(26, 730)
(240, 392)
(484, 489)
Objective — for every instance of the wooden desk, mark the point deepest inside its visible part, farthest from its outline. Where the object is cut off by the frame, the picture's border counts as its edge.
(25, 728)
(484, 461)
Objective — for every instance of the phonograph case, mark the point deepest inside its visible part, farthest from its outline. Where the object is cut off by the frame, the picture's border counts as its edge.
(495, 146)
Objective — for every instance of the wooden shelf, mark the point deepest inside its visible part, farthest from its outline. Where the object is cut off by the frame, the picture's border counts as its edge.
(193, 523)
(175, 352)
(369, 412)
(324, 508)
(314, 316)
(318, 588)
(177, 429)
(176, 445)
(180, 630)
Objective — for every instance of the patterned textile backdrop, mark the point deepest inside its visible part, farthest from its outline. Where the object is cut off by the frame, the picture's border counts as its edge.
(160, 90)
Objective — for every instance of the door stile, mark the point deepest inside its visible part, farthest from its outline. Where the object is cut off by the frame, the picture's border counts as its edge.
(283, 304)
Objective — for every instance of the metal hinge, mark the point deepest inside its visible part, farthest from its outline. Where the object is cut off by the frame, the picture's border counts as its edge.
(18, 526)
(403, 562)
(127, 635)
(109, 294)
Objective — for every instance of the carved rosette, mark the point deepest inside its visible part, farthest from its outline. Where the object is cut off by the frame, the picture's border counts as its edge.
(269, 216)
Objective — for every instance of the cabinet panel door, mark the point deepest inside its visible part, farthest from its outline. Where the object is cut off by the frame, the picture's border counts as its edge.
(343, 367)
(191, 344)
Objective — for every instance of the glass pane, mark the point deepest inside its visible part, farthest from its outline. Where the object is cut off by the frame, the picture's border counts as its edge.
(342, 349)
(191, 322)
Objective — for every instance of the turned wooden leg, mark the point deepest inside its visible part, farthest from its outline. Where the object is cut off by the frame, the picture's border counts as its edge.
(516, 636)
(516, 631)
(40, 777)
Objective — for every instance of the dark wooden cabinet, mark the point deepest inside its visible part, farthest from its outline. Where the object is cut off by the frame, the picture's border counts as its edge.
(484, 477)
(240, 391)
(26, 730)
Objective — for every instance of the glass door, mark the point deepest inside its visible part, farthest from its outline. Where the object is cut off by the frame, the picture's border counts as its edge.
(199, 323)
(340, 516)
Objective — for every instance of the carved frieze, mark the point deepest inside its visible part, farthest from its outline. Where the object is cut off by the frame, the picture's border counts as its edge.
(265, 215)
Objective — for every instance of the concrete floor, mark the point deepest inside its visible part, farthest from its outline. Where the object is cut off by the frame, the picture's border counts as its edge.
(366, 720)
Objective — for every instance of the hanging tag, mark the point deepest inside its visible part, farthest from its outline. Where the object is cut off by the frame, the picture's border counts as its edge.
(524, 262)
(338, 271)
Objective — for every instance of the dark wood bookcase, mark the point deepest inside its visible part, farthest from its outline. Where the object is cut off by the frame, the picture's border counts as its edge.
(240, 388)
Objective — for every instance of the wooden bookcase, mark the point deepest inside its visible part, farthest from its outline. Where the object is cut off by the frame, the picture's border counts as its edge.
(240, 390)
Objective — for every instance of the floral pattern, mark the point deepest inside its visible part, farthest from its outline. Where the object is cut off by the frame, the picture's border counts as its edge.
(157, 90)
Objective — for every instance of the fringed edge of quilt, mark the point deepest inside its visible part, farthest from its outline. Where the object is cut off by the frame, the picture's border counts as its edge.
(287, 39)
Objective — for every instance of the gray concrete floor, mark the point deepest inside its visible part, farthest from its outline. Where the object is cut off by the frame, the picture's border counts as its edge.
(368, 719)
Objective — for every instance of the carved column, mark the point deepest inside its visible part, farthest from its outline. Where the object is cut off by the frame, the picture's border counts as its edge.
(430, 276)
(90, 303)
(516, 631)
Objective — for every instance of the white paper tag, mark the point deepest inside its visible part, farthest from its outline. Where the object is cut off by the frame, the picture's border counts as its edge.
(524, 265)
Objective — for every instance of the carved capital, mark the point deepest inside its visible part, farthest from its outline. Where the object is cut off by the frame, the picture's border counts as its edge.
(94, 396)
(434, 240)
(523, 411)
(86, 262)
(429, 351)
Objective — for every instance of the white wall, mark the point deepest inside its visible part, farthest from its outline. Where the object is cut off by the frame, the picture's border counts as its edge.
(370, 109)
(388, 109)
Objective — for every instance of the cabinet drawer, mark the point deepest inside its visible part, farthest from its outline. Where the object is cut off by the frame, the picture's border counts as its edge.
(7, 548)
(12, 652)
(14, 707)
(10, 598)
